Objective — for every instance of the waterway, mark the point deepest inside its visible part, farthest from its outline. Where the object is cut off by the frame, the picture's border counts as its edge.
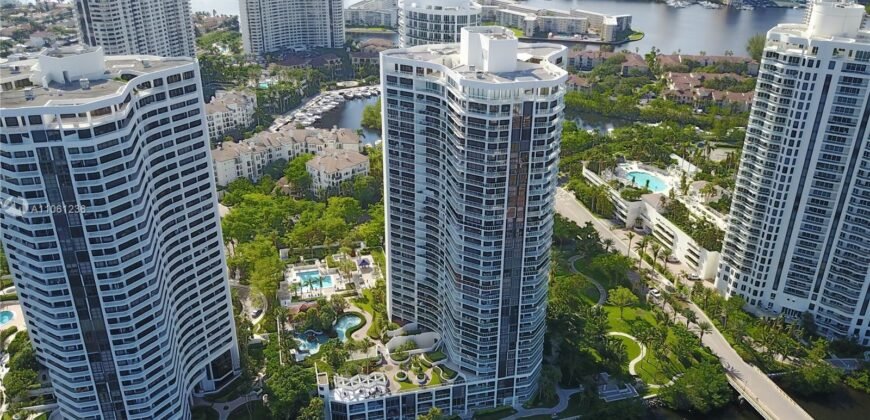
(688, 30)
(348, 114)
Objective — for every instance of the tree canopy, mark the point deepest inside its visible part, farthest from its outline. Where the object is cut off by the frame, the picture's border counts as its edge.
(703, 388)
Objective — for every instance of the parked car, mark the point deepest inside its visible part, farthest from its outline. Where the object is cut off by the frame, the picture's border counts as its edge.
(655, 293)
(256, 312)
(694, 277)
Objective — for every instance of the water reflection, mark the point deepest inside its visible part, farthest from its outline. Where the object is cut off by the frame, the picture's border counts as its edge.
(348, 114)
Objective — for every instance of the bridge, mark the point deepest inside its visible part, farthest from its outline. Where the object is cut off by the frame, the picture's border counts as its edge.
(768, 399)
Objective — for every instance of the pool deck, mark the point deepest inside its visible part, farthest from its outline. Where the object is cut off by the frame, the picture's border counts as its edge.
(17, 315)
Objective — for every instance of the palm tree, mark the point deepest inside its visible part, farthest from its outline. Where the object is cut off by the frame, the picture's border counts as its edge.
(704, 328)
(640, 249)
(656, 250)
(690, 316)
(665, 256)
(607, 244)
(630, 236)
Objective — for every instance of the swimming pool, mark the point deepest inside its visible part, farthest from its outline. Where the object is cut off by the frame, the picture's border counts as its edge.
(310, 280)
(345, 323)
(5, 317)
(646, 180)
(310, 341)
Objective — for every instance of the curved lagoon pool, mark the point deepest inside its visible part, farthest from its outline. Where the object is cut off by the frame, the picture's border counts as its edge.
(345, 323)
(646, 180)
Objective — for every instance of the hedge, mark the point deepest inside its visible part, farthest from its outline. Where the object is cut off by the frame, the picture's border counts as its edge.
(8, 297)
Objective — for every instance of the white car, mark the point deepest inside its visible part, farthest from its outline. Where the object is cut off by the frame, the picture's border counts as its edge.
(694, 277)
(655, 293)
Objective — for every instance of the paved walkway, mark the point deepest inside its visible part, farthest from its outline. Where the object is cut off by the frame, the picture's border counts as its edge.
(602, 292)
(636, 360)
(225, 408)
(771, 401)
(363, 332)
(564, 395)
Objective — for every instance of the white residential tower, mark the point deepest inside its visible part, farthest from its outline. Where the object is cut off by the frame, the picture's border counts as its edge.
(111, 228)
(279, 25)
(471, 134)
(153, 27)
(435, 21)
(799, 234)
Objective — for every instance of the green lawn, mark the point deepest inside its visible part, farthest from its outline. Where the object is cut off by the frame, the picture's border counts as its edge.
(590, 293)
(365, 303)
(632, 348)
(630, 316)
(254, 410)
(435, 356)
(494, 413)
(204, 413)
(649, 369)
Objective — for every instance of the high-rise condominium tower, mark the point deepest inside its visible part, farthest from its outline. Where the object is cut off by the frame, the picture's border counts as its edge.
(472, 135)
(154, 27)
(276, 25)
(799, 234)
(435, 21)
(111, 229)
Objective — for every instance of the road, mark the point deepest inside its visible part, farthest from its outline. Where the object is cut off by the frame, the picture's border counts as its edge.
(751, 382)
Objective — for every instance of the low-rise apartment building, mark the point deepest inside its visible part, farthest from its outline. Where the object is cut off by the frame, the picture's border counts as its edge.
(333, 166)
(688, 88)
(534, 21)
(587, 60)
(248, 158)
(229, 110)
(383, 13)
(646, 216)
(685, 62)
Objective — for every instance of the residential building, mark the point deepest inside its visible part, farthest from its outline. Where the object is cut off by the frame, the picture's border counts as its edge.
(112, 232)
(534, 21)
(798, 239)
(688, 88)
(685, 63)
(384, 13)
(435, 21)
(358, 59)
(163, 28)
(229, 110)
(647, 215)
(576, 83)
(471, 136)
(333, 166)
(586, 60)
(270, 26)
(248, 158)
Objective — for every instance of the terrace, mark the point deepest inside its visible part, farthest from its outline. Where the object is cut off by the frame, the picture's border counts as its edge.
(323, 278)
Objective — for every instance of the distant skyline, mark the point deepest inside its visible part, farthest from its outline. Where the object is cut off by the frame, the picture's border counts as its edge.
(231, 7)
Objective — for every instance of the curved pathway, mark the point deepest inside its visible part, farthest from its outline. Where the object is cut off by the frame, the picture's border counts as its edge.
(361, 333)
(564, 395)
(602, 292)
(636, 360)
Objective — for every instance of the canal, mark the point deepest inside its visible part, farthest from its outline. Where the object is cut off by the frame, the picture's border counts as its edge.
(348, 114)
